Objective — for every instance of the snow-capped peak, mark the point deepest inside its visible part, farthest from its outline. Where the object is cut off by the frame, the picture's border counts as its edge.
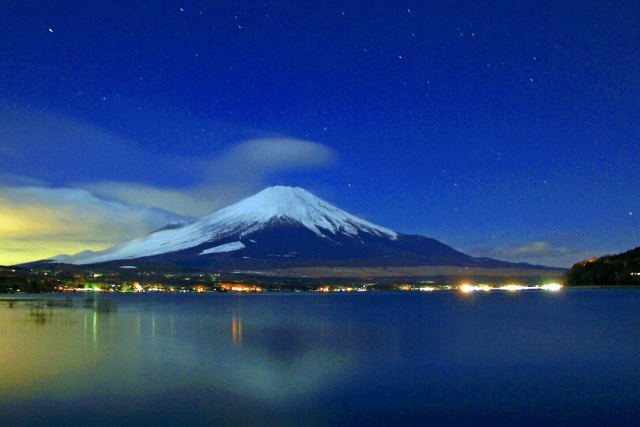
(274, 204)
(292, 204)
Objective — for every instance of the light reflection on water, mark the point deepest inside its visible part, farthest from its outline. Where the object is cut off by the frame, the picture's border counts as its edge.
(308, 359)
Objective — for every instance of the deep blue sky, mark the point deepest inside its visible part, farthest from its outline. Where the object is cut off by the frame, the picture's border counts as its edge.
(505, 129)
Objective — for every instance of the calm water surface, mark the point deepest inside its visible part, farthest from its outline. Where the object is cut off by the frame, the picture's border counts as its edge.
(442, 358)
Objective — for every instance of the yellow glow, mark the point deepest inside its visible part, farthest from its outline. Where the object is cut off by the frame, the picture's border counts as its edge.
(13, 252)
(33, 231)
(240, 288)
(513, 287)
(236, 329)
(40, 222)
(11, 223)
(466, 288)
(25, 350)
(554, 287)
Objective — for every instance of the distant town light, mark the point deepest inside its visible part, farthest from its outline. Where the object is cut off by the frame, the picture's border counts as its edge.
(554, 287)
(466, 288)
(513, 287)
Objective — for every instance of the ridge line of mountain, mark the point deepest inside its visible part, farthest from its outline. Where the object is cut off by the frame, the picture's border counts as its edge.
(281, 227)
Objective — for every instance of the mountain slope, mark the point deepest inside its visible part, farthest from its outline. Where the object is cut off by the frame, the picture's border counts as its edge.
(280, 227)
(274, 205)
(610, 270)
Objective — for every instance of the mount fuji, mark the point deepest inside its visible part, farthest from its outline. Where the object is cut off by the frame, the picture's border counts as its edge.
(280, 227)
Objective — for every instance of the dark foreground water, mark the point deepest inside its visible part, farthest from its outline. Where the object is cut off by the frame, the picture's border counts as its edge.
(528, 359)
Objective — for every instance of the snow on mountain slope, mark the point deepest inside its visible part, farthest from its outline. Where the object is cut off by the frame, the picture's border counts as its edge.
(274, 204)
(227, 247)
(295, 205)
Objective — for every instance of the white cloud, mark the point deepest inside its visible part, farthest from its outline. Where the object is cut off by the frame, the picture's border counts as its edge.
(550, 252)
(257, 158)
(236, 173)
(109, 189)
(178, 201)
(39, 222)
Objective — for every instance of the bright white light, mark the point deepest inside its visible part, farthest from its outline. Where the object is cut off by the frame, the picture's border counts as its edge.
(513, 287)
(466, 288)
(551, 287)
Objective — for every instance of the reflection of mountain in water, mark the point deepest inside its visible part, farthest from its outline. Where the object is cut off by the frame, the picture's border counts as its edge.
(367, 359)
(284, 346)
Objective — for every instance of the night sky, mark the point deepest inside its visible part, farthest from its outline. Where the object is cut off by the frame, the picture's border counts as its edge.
(504, 129)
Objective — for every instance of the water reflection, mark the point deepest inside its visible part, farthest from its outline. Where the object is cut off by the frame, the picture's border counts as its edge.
(323, 359)
(236, 330)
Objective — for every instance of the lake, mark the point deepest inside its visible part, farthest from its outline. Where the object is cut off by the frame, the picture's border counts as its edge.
(441, 358)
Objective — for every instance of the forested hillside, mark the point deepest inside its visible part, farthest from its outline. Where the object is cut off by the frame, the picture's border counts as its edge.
(610, 270)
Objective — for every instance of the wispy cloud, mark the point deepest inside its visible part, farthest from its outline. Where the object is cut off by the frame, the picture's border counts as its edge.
(553, 252)
(39, 222)
(67, 186)
(235, 173)
(61, 150)
(255, 159)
